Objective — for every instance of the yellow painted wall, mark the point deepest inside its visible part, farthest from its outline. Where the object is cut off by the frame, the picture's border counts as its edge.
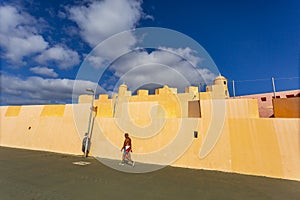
(53, 110)
(34, 129)
(12, 111)
(247, 144)
(288, 138)
(105, 106)
(254, 147)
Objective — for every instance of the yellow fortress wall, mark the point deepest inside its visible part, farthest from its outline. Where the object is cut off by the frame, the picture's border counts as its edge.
(247, 144)
(49, 128)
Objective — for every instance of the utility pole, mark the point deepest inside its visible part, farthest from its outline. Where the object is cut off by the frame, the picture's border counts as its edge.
(233, 88)
(274, 89)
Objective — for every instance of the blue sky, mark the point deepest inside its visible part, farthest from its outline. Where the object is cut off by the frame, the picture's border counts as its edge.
(44, 45)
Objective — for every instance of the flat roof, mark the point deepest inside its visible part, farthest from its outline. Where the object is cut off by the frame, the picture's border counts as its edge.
(29, 174)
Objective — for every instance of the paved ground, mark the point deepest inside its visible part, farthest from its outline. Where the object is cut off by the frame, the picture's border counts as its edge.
(41, 175)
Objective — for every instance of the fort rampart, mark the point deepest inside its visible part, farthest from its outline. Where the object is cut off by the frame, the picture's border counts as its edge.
(247, 144)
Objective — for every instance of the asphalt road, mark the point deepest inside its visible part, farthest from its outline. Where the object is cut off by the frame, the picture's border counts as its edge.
(39, 175)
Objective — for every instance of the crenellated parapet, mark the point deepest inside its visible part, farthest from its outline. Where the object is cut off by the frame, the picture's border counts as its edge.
(166, 102)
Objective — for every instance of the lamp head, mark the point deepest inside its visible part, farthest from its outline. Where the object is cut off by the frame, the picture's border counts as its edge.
(90, 90)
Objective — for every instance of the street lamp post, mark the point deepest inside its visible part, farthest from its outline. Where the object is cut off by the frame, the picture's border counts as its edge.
(87, 141)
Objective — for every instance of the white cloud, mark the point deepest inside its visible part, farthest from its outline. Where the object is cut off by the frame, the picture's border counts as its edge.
(175, 67)
(100, 19)
(95, 61)
(207, 75)
(61, 14)
(63, 57)
(17, 48)
(36, 90)
(110, 49)
(186, 53)
(18, 36)
(44, 71)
